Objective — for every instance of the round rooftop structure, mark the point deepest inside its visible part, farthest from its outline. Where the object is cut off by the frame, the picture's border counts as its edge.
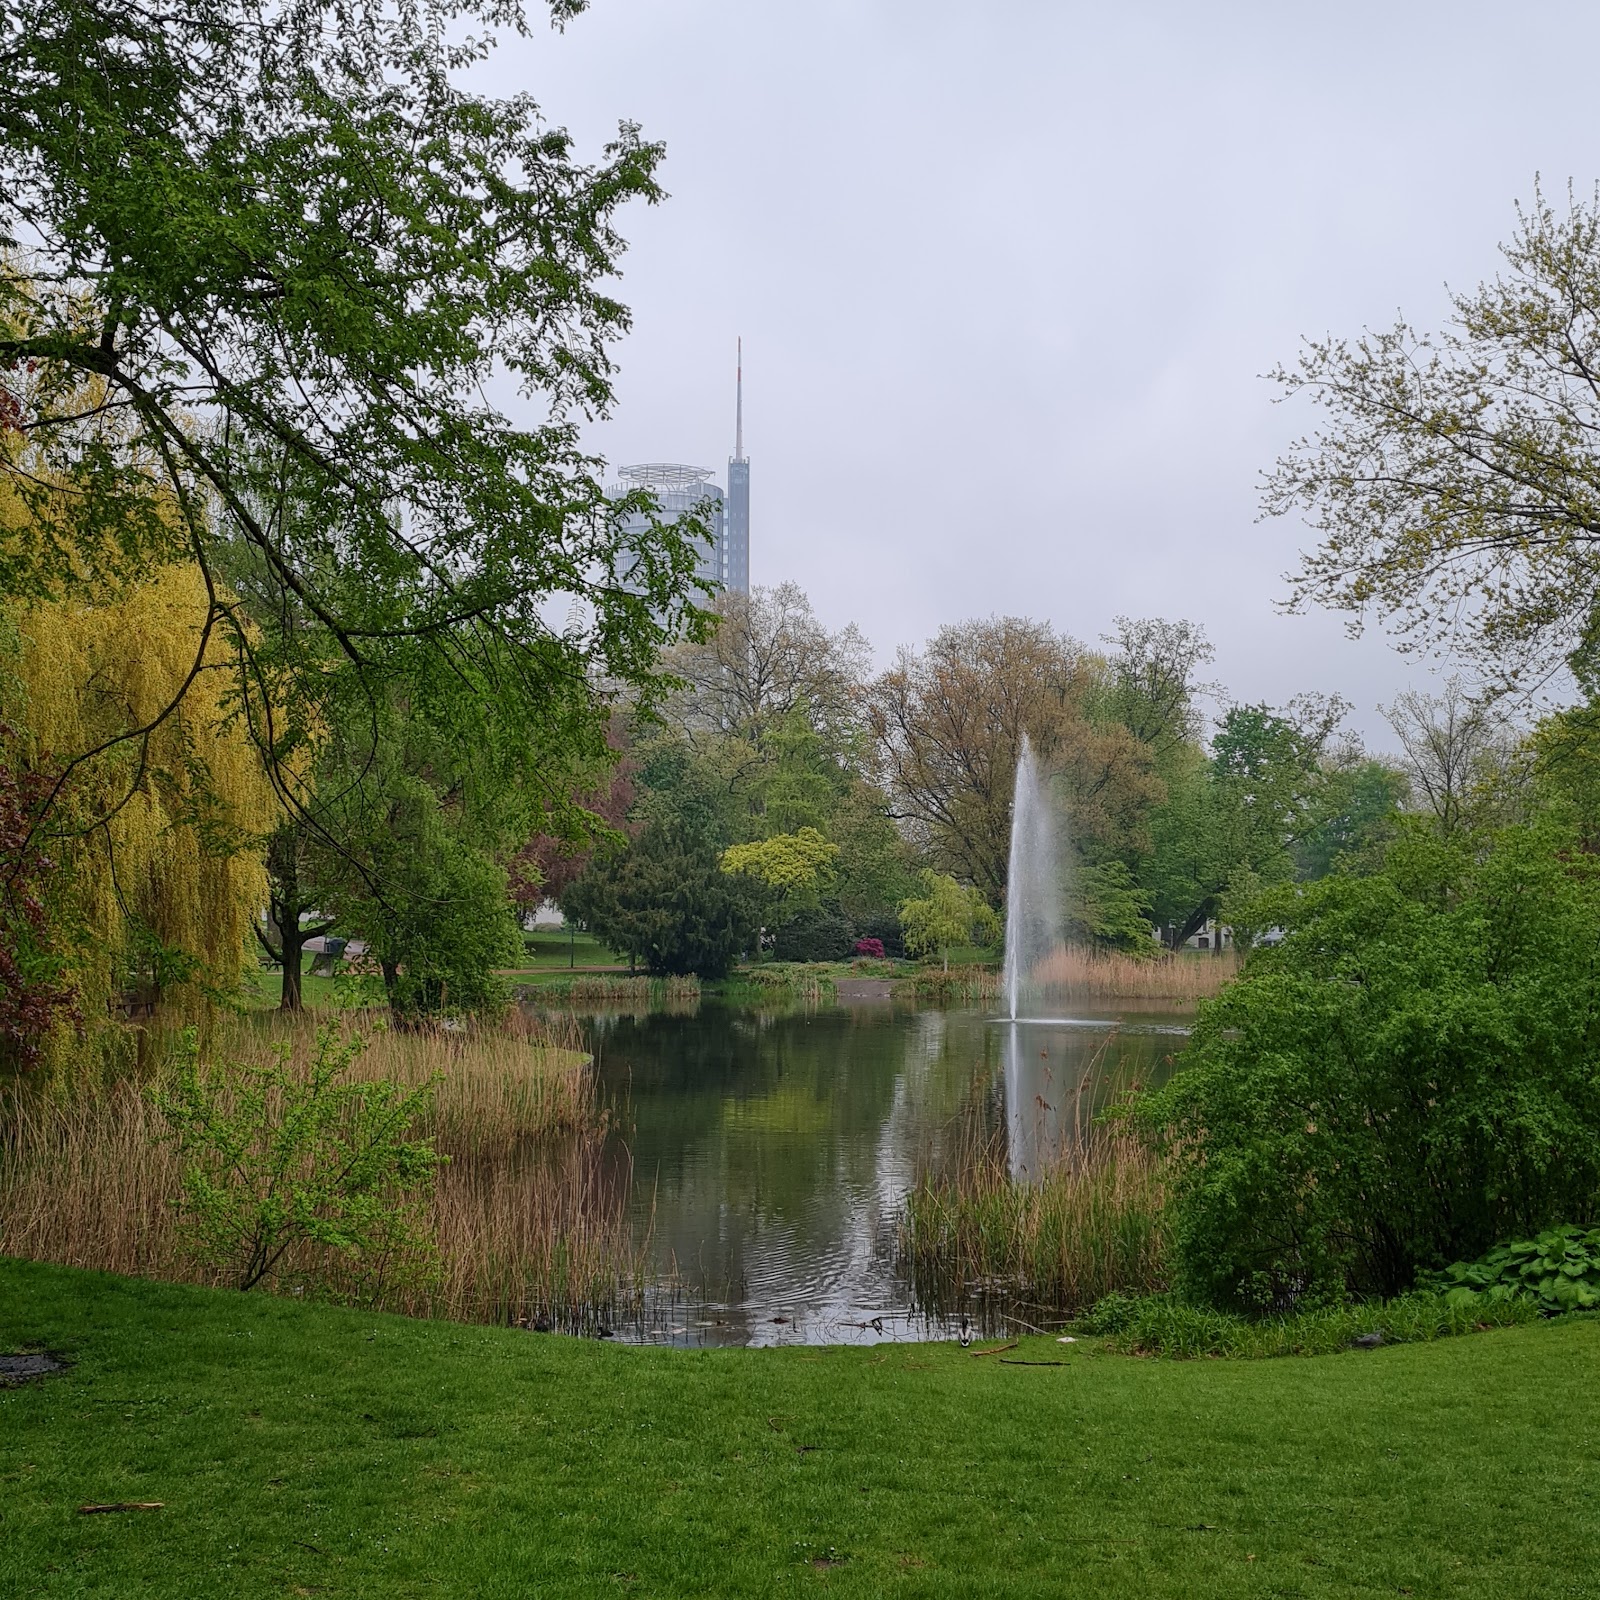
(663, 475)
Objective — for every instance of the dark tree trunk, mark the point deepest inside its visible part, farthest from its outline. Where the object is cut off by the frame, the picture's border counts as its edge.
(285, 908)
(1194, 922)
(293, 944)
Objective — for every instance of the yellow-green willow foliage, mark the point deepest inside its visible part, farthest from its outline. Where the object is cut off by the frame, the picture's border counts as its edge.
(156, 839)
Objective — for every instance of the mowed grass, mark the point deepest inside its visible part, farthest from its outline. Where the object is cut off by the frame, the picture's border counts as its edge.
(552, 950)
(305, 1450)
(264, 990)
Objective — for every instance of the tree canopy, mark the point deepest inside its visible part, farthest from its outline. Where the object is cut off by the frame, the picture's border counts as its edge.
(1454, 477)
(272, 259)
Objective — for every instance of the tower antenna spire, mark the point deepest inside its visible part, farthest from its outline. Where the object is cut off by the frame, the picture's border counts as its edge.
(738, 406)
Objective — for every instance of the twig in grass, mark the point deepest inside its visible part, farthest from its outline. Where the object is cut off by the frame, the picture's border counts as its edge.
(95, 1507)
(995, 1350)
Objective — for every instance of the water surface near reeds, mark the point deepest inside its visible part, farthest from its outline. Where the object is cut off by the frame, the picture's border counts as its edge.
(772, 1153)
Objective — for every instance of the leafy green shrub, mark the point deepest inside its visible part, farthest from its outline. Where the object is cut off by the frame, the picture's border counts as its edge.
(814, 934)
(1560, 1269)
(1164, 1325)
(1411, 1075)
(287, 1155)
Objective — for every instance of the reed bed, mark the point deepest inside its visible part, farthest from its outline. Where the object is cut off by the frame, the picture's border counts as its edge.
(528, 1219)
(1090, 1225)
(1075, 973)
(1109, 975)
(599, 991)
(969, 986)
(783, 983)
(493, 1086)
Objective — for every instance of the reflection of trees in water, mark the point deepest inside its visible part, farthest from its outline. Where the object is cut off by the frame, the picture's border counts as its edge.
(773, 1152)
(754, 1135)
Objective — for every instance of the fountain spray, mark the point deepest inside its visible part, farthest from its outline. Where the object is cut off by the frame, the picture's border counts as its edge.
(1033, 890)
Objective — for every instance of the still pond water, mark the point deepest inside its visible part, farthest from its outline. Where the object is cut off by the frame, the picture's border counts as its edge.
(771, 1152)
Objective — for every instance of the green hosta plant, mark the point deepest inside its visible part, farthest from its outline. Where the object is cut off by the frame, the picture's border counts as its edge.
(290, 1154)
(1561, 1268)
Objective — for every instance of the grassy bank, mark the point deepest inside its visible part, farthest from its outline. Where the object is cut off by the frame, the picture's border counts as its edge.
(306, 1450)
(527, 1221)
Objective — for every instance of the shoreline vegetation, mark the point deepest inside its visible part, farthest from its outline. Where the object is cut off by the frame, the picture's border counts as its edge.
(1073, 973)
(528, 1219)
(527, 1223)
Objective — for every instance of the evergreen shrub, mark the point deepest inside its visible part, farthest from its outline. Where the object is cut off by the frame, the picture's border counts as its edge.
(814, 934)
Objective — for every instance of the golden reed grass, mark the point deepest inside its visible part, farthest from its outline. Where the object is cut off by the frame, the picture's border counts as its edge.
(637, 996)
(529, 1216)
(1082, 974)
(1112, 976)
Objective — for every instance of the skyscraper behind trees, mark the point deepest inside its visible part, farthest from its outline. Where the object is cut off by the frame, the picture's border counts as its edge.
(680, 489)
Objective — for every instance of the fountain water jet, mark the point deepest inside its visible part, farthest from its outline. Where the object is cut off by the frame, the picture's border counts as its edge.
(1033, 888)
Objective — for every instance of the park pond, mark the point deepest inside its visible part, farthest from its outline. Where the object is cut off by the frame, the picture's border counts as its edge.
(768, 1154)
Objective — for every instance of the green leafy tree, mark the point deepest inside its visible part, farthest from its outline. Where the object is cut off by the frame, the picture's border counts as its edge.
(260, 267)
(794, 867)
(948, 914)
(445, 923)
(1412, 1075)
(289, 1156)
(1358, 809)
(1238, 815)
(1107, 907)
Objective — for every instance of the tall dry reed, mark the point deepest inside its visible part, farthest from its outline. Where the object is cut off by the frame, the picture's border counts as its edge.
(528, 1217)
(1109, 975)
(493, 1086)
(1092, 1223)
(1076, 973)
(631, 996)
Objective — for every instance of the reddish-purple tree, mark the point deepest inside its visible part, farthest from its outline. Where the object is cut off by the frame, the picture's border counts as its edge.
(547, 866)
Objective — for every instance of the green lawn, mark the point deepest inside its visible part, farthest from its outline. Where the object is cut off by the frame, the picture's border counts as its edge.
(551, 950)
(267, 988)
(306, 1451)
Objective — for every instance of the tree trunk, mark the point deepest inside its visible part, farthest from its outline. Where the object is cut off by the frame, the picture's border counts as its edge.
(285, 907)
(293, 945)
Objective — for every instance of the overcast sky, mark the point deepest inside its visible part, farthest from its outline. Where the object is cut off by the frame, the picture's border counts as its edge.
(1008, 274)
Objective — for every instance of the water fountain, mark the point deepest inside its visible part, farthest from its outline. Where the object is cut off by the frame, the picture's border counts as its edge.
(1033, 887)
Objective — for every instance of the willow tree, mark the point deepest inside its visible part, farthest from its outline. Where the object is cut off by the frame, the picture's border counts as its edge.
(155, 873)
(293, 256)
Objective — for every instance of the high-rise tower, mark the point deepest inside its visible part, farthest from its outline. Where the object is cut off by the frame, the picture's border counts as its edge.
(736, 554)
